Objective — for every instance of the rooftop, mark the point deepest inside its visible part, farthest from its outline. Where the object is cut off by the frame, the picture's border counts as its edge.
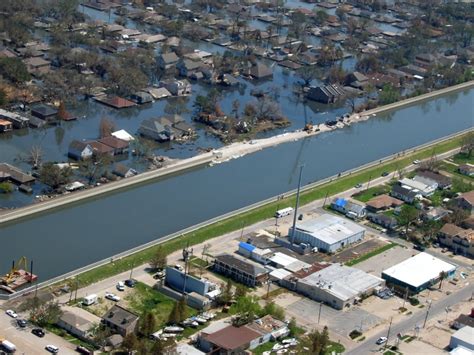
(231, 338)
(342, 281)
(245, 266)
(419, 269)
(329, 228)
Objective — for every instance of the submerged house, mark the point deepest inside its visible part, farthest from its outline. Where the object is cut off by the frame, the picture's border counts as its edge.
(327, 94)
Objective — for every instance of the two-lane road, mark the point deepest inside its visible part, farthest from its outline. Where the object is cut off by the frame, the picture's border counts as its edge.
(408, 325)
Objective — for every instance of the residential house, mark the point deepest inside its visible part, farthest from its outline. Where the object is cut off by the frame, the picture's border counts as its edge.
(118, 145)
(260, 71)
(240, 270)
(383, 220)
(466, 169)
(120, 320)
(460, 240)
(269, 328)
(168, 60)
(349, 208)
(227, 341)
(124, 171)
(101, 149)
(158, 129)
(141, 97)
(5, 125)
(425, 189)
(78, 322)
(357, 80)
(382, 202)
(158, 93)
(443, 181)
(177, 87)
(425, 60)
(435, 214)
(45, 112)
(403, 193)
(188, 67)
(326, 94)
(17, 120)
(80, 150)
(115, 101)
(37, 65)
(466, 201)
(14, 174)
(414, 70)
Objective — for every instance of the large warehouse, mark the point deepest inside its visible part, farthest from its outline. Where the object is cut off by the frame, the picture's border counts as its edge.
(328, 232)
(417, 273)
(338, 286)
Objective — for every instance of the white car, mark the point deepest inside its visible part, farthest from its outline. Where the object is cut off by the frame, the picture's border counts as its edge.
(416, 162)
(112, 296)
(11, 313)
(381, 340)
(52, 348)
(120, 286)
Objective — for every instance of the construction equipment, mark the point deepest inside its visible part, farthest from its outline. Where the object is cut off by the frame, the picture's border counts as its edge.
(18, 275)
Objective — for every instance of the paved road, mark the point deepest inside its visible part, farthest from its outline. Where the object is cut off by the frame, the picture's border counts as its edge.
(27, 343)
(408, 325)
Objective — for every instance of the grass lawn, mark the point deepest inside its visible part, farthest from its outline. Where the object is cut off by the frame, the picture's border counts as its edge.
(146, 299)
(264, 347)
(258, 214)
(371, 254)
(335, 347)
(366, 195)
(463, 158)
(437, 198)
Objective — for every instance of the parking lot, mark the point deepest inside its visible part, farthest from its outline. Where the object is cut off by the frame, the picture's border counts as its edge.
(376, 264)
(341, 322)
(27, 343)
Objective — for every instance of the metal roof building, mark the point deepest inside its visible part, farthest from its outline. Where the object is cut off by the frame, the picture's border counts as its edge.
(337, 285)
(418, 272)
(328, 232)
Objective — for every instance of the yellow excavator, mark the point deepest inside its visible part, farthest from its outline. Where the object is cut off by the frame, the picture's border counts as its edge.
(21, 264)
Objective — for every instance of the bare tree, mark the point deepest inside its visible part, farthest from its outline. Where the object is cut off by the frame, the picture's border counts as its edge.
(35, 156)
(106, 127)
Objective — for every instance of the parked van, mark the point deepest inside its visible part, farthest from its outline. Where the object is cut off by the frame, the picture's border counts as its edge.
(88, 300)
(7, 346)
(283, 212)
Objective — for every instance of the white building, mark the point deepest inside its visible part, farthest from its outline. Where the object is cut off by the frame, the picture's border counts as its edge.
(327, 232)
(338, 286)
(425, 188)
(417, 273)
(463, 338)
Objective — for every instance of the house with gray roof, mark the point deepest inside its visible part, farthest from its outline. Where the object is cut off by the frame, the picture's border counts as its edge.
(243, 271)
(120, 320)
(80, 150)
(168, 60)
(327, 94)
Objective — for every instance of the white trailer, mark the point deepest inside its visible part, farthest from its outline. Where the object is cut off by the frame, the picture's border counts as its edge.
(8, 346)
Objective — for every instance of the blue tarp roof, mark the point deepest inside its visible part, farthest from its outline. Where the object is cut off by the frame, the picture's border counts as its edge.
(340, 202)
(246, 246)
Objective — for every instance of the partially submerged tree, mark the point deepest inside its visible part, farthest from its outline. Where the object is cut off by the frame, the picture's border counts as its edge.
(106, 127)
(54, 176)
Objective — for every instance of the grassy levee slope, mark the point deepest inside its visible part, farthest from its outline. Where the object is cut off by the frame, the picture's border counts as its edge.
(264, 212)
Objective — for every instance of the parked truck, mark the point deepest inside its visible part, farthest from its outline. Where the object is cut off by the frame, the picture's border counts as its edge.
(90, 299)
(7, 346)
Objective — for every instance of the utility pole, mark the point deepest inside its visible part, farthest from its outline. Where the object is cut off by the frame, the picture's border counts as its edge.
(186, 256)
(131, 273)
(405, 298)
(388, 333)
(427, 312)
(320, 307)
(325, 198)
(368, 183)
(296, 206)
(242, 231)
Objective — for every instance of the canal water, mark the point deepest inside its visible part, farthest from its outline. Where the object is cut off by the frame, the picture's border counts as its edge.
(72, 237)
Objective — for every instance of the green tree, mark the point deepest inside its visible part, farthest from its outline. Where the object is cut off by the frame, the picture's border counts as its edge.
(407, 216)
(274, 310)
(388, 95)
(130, 342)
(182, 309)
(42, 313)
(159, 259)
(3, 97)
(6, 187)
(226, 295)
(467, 144)
(240, 291)
(442, 275)
(247, 306)
(54, 176)
(148, 324)
(14, 70)
(314, 343)
(292, 326)
(173, 317)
